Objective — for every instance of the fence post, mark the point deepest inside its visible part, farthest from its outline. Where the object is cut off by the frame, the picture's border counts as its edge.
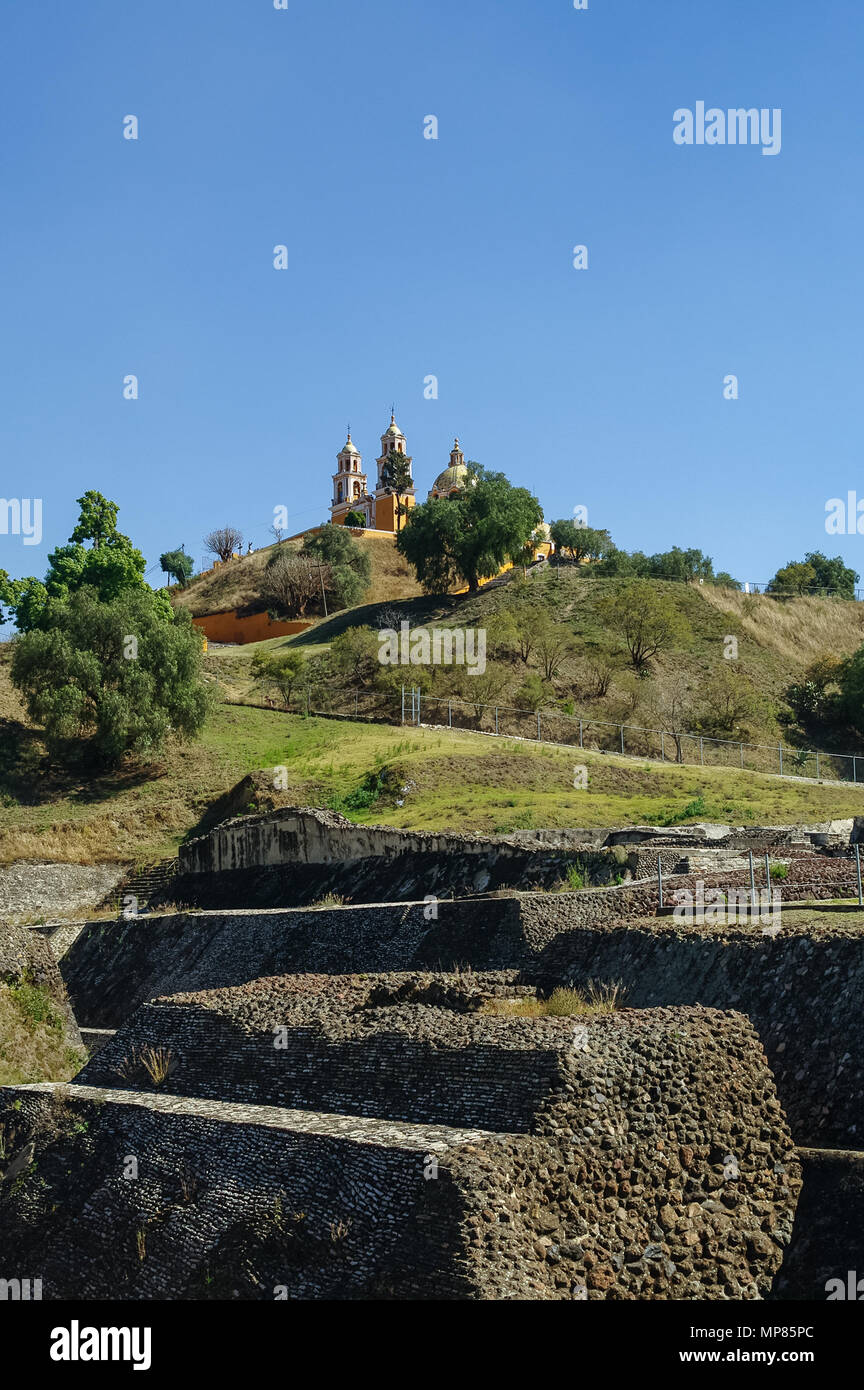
(858, 870)
(854, 768)
(741, 746)
(496, 719)
(403, 704)
(662, 747)
(622, 738)
(418, 706)
(767, 871)
(817, 767)
(355, 706)
(538, 725)
(701, 758)
(580, 733)
(752, 882)
(660, 878)
(449, 714)
(780, 749)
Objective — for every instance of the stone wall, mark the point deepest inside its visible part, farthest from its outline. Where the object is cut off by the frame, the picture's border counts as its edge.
(30, 890)
(653, 1160)
(25, 956)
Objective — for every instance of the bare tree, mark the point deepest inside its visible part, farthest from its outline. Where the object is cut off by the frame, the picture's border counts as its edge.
(224, 541)
(292, 582)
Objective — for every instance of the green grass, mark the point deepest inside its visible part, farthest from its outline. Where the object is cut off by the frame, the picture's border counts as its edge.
(456, 780)
(33, 1044)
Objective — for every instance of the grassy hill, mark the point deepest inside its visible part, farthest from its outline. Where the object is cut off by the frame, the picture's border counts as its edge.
(406, 777)
(238, 583)
(419, 778)
(777, 640)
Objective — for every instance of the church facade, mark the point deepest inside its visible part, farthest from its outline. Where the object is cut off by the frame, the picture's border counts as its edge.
(386, 506)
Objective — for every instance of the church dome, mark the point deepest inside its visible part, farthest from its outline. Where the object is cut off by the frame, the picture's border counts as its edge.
(393, 428)
(452, 477)
(349, 447)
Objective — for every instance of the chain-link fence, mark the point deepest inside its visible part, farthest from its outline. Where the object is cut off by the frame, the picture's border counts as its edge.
(411, 706)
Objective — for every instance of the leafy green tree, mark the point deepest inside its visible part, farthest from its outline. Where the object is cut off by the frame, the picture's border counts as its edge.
(97, 519)
(355, 519)
(534, 693)
(797, 577)
(349, 564)
(850, 701)
(724, 580)
(105, 679)
(278, 671)
(681, 565)
(469, 536)
(110, 565)
(580, 542)
(648, 623)
(178, 564)
(354, 655)
(832, 576)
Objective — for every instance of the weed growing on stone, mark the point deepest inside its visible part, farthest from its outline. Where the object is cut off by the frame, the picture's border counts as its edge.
(596, 998)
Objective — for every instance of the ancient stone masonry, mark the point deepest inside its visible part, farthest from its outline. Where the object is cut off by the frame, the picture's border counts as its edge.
(372, 1100)
(458, 1155)
(26, 957)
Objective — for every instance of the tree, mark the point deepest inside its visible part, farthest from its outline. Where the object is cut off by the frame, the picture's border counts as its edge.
(553, 643)
(355, 519)
(724, 580)
(533, 693)
(279, 671)
(851, 696)
(685, 566)
(109, 566)
(580, 542)
(727, 704)
(349, 564)
(105, 679)
(469, 536)
(97, 519)
(832, 576)
(795, 578)
(224, 542)
(178, 564)
(291, 583)
(647, 622)
(396, 478)
(354, 655)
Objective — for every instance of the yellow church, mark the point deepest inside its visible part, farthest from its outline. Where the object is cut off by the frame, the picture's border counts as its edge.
(380, 509)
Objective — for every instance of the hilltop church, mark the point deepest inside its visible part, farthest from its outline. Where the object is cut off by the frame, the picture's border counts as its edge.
(380, 508)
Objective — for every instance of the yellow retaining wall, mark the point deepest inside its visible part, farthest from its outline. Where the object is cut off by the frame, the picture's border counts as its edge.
(228, 627)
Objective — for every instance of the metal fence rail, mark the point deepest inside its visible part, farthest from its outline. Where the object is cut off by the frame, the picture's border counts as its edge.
(410, 706)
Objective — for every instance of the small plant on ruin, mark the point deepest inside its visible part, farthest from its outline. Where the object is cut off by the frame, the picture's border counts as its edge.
(573, 879)
(141, 1243)
(330, 900)
(596, 998)
(158, 1062)
(779, 872)
(339, 1230)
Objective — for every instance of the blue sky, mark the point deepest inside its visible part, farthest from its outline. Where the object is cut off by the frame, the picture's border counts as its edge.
(410, 257)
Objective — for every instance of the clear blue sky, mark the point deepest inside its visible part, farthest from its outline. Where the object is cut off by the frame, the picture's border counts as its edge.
(454, 257)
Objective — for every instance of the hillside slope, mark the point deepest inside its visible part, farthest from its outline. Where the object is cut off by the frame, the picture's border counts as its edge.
(238, 583)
